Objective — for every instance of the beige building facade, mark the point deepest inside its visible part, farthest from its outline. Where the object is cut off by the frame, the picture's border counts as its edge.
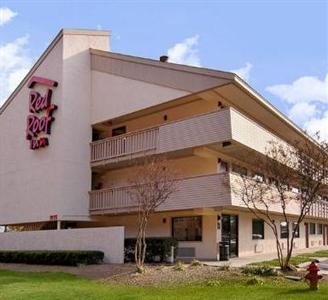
(67, 156)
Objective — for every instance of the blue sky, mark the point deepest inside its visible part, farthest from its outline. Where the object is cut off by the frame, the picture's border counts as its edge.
(279, 47)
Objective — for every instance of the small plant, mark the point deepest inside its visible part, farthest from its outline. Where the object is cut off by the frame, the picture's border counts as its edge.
(225, 267)
(179, 266)
(255, 281)
(213, 283)
(260, 271)
(195, 263)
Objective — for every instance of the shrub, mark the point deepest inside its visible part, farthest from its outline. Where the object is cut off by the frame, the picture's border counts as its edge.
(261, 271)
(255, 281)
(158, 248)
(67, 258)
(179, 266)
(195, 263)
(213, 283)
(225, 267)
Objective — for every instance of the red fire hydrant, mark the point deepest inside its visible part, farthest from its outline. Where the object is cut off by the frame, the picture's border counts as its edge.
(313, 277)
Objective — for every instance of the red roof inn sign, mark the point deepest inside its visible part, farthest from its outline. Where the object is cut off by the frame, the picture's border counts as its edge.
(40, 120)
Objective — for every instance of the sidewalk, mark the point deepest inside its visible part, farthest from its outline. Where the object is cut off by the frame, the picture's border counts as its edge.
(238, 262)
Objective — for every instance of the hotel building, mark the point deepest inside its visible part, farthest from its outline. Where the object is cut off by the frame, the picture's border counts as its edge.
(71, 132)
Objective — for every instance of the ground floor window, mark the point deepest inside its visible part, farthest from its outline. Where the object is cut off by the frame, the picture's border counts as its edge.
(284, 230)
(296, 228)
(319, 231)
(187, 228)
(257, 229)
(312, 228)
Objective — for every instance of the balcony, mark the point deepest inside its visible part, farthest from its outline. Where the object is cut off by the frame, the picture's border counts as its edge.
(193, 192)
(182, 134)
(210, 129)
(319, 210)
(144, 141)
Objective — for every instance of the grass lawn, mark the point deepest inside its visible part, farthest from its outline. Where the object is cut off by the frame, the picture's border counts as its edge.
(48, 286)
(297, 259)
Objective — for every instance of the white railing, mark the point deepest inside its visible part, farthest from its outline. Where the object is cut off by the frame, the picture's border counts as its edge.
(193, 192)
(112, 198)
(319, 209)
(125, 144)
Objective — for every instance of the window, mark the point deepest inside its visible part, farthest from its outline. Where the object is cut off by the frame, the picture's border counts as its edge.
(283, 230)
(258, 229)
(272, 181)
(118, 130)
(187, 228)
(295, 189)
(319, 229)
(223, 166)
(238, 169)
(312, 228)
(258, 177)
(297, 230)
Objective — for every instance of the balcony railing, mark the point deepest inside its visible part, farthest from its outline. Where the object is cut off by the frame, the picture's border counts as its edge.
(185, 133)
(126, 144)
(193, 192)
(319, 210)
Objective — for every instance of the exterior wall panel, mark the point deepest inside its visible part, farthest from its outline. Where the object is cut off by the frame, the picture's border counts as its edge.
(194, 192)
(196, 131)
(110, 240)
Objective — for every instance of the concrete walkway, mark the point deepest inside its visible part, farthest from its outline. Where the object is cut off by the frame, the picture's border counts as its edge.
(238, 262)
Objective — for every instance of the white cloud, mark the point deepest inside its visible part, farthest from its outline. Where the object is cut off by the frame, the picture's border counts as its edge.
(244, 72)
(320, 125)
(302, 112)
(307, 99)
(6, 15)
(304, 89)
(14, 65)
(185, 52)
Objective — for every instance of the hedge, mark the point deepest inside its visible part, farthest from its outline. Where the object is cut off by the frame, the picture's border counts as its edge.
(66, 258)
(158, 248)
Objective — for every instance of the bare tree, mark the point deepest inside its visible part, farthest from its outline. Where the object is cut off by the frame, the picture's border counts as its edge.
(296, 178)
(154, 181)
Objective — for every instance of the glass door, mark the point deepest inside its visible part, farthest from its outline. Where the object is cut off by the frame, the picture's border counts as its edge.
(229, 233)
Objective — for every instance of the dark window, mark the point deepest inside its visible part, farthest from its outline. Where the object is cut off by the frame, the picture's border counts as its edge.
(319, 229)
(118, 130)
(258, 230)
(297, 230)
(187, 228)
(238, 169)
(223, 166)
(258, 177)
(283, 230)
(95, 135)
(312, 228)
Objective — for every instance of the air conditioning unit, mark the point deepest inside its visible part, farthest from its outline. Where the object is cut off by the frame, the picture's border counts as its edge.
(186, 253)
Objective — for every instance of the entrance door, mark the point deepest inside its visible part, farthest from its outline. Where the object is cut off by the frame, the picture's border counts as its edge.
(229, 233)
(306, 235)
(325, 235)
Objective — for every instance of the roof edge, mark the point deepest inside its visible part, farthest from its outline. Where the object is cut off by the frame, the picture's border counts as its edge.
(59, 35)
(74, 31)
(275, 111)
(166, 65)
